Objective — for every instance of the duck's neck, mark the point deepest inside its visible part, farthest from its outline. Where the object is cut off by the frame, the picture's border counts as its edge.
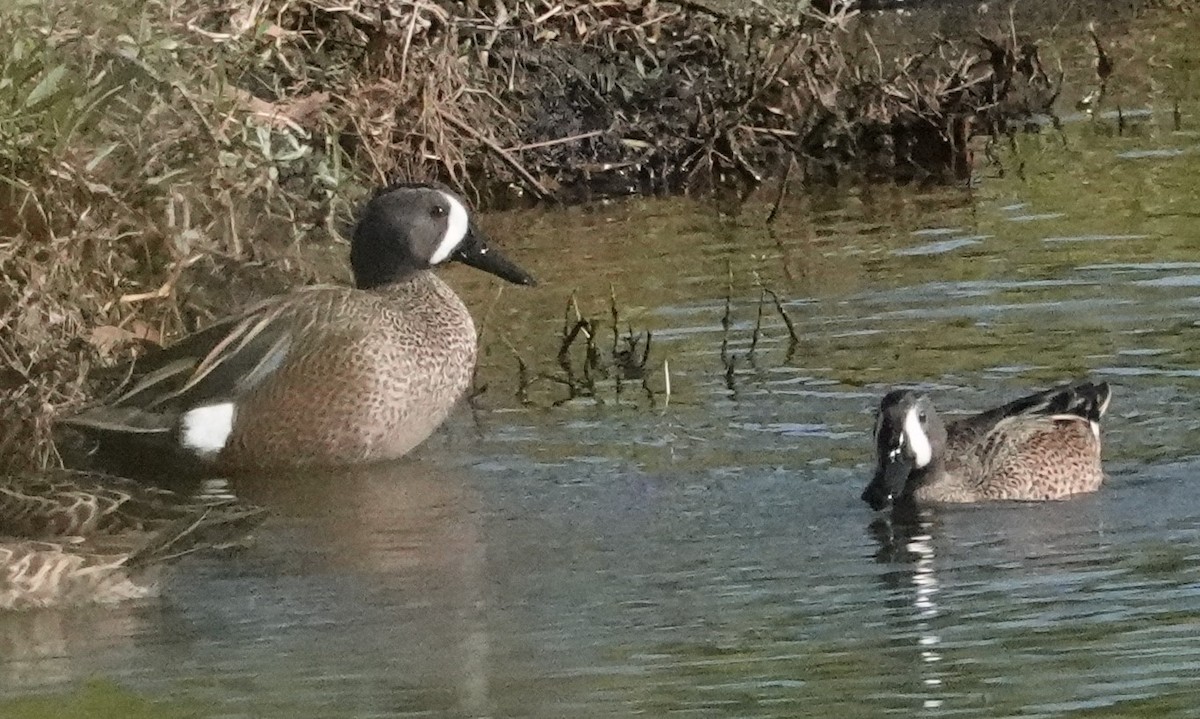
(390, 281)
(926, 475)
(421, 291)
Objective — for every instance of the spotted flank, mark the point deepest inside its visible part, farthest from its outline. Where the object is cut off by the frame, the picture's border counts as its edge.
(1041, 447)
(324, 375)
(69, 538)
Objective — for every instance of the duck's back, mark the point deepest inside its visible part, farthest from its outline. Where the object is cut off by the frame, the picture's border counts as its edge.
(1031, 449)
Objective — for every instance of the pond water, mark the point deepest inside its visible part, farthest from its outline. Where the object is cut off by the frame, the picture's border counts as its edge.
(702, 550)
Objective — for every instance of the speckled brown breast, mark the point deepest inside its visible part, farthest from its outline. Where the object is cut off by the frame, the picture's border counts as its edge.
(369, 377)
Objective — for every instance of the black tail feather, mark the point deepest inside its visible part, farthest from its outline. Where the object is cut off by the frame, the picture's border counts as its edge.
(1086, 399)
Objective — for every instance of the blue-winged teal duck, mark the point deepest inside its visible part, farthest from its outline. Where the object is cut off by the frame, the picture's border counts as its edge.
(325, 375)
(1044, 446)
(70, 537)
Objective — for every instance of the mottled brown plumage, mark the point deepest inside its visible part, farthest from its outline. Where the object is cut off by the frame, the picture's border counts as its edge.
(326, 375)
(70, 537)
(1041, 447)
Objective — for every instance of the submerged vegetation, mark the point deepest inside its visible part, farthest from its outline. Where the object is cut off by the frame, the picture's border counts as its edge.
(162, 160)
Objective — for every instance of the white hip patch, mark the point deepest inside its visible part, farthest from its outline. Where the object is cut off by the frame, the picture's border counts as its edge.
(457, 226)
(205, 430)
(917, 440)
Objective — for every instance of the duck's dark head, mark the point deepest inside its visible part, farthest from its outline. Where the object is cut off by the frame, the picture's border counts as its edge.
(409, 227)
(908, 438)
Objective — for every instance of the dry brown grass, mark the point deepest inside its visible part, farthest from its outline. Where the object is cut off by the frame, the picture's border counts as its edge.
(125, 173)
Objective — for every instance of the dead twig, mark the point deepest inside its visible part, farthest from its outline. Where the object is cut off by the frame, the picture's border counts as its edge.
(503, 154)
(559, 141)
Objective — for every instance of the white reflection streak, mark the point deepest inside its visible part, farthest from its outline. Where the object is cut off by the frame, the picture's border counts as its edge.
(925, 584)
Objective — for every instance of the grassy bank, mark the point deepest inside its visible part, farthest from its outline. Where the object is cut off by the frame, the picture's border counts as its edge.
(130, 161)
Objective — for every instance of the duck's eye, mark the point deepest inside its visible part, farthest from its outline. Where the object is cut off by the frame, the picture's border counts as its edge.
(438, 211)
(921, 417)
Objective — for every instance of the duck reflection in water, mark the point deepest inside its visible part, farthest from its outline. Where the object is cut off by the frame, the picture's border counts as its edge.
(399, 547)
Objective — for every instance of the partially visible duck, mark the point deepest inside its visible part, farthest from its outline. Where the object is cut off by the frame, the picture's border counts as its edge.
(69, 537)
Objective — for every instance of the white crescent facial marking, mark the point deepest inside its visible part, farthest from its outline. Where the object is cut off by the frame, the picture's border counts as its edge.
(458, 223)
(917, 440)
(205, 430)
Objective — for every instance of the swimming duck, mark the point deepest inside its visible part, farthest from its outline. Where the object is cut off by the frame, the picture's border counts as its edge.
(1044, 446)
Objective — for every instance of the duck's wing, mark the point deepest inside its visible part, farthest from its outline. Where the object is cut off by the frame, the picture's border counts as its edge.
(1084, 400)
(1088, 400)
(214, 365)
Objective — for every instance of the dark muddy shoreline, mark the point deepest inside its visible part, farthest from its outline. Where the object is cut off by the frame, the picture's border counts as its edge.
(690, 97)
